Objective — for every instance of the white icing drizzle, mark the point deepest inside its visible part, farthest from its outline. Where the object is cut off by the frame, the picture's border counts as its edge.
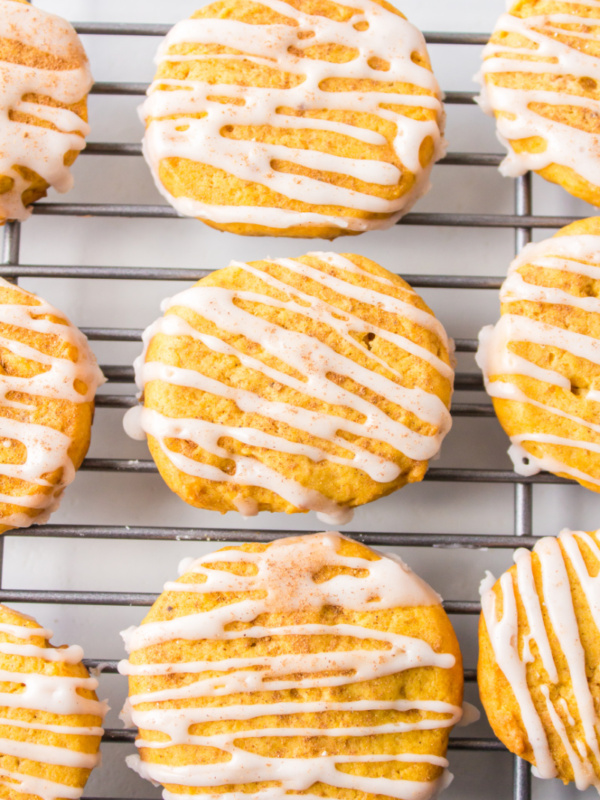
(566, 145)
(47, 448)
(309, 356)
(388, 36)
(578, 255)
(24, 633)
(503, 635)
(22, 144)
(470, 715)
(53, 694)
(284, 575)
(506, 632)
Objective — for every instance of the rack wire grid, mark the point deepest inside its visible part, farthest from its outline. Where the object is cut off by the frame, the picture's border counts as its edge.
(522, 221)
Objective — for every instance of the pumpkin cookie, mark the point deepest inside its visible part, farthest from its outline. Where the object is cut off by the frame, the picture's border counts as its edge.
(539, 657)
(312, 664)
(50, 717)
(48, 379)
(541, 80)
(307, 118)
(541, 361)
(43, 105)
(314, 383)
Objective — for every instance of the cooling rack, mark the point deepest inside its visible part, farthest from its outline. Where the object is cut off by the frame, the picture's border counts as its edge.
(522, 221)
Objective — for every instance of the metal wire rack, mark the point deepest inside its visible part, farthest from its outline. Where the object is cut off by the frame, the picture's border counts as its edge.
(522, 221)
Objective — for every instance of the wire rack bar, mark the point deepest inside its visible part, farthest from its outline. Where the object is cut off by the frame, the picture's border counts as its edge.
(523, 492)
(447, 475)
(109, 666)
(458, 743)
(9, 255)
(179, 274)
(135, 335)
(419, 219)
(145, 600)
(128, 735)
(472, 410)
(463, 540)
(118, 373)
(158, 29)
(11, 242)
(480, 410)
(137, 89)
(521, 780)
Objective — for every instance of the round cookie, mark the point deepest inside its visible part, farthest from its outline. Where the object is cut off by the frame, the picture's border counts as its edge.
(312, 664)
(50, 717)
(48, 379)
(43, 105)
(541, 361)
(301, 118)
(315, 383)
(539, 657)
(540, 79)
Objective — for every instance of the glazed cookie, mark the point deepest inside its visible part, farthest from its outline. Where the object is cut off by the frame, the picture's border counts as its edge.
(297, 118)
(541, 362)
(539, 657)
(313, 664)
(315, 383)
(48, 379)
(540, 78)
(43, 108)
(50, 717)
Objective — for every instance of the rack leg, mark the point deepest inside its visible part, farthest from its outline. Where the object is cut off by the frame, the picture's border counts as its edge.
(523, 509)
(523, 207)
(11, 245)
(521, 779)
(9, 255)
(523, 524)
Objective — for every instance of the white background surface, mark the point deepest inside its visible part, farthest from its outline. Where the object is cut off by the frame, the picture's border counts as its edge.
(97, 498)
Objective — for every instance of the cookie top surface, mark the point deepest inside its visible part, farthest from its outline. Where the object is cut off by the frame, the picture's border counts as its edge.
(315, 663)
(304, 118)
(50, 717)
(48, 379)
(45, 80)
(541, 361)
(540, 77)
(539, 657)
(316, 383)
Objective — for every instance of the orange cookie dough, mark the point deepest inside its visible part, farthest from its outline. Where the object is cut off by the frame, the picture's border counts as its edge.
(48, 379)
(541, 361)
(305, 118)
(539, 657)
(43, 105)
(312, 664)
(50, 717)
(540, 79)
(314, 383)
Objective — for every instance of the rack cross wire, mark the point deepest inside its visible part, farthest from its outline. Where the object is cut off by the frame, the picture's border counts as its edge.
(522, 221)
